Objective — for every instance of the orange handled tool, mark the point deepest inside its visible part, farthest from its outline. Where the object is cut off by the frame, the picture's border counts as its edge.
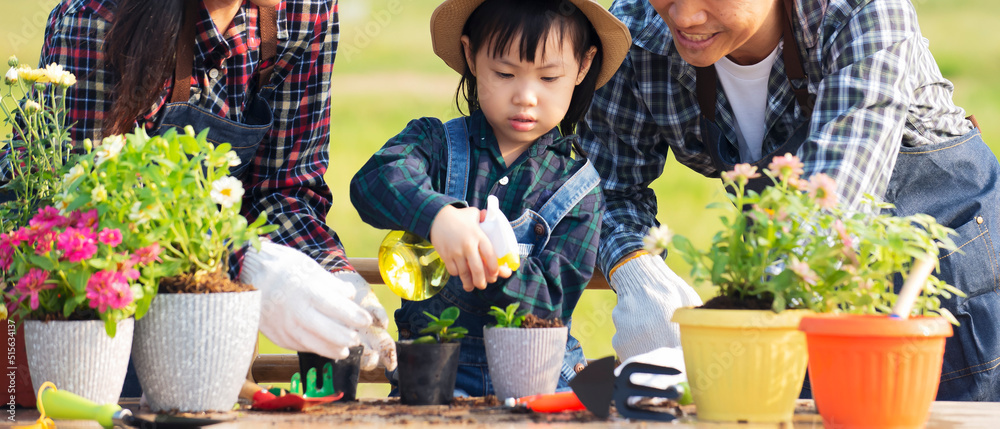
(551, 402)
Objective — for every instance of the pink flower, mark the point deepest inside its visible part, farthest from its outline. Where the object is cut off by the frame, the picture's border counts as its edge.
(48, 218)
(87, 219)
(801, 268)
(111, 237)
(42, 240)
(824, 190)
(148, 254)
(77, 244)
(846, 241)
(741, 174)
(108, 289)
(6, 252)
(33, 283)
(786, 167)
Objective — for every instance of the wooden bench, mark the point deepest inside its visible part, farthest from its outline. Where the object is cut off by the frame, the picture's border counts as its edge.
(279, 368)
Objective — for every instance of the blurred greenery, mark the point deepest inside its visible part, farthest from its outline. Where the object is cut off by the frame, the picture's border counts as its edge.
(387, 74)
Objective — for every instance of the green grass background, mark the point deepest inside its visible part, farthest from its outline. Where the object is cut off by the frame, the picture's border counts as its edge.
(386, 74)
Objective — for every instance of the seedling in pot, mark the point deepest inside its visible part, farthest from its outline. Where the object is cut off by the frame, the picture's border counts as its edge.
(438, 328)
(508, 318)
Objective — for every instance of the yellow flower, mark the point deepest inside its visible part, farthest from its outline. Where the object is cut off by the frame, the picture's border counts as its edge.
(31, 75)
(32, 107)
(227, 191)
(99, 194)
(74, 173)
(109, 148)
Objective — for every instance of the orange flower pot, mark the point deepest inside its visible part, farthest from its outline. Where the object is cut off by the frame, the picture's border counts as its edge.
(874, 371)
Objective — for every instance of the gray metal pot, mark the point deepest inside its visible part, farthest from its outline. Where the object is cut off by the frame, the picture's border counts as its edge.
(78, 356)
(524, 362)
(192, 351)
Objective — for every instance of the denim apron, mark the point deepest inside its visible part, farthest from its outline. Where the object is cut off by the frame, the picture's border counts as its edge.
(955, 182)
(244, 137)
(532, 230)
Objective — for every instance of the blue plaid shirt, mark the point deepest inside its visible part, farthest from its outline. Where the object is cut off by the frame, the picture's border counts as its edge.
(402, 187)
(876, 85)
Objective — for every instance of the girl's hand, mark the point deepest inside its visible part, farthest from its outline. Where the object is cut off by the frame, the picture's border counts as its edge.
(464, 248)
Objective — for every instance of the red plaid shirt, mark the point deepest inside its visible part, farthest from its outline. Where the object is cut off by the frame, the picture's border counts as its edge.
(286, 178)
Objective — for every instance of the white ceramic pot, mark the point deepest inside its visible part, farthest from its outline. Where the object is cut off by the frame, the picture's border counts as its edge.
(524, 362)
(192, 351)
(79, 357)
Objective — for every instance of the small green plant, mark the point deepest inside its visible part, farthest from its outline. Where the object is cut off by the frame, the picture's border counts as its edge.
(438, 329)
(508, 318)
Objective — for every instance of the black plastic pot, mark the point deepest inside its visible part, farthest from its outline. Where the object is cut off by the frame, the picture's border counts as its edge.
(427, 372)
(345, 371)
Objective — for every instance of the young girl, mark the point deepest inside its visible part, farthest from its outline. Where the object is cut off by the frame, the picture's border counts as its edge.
(529, 70)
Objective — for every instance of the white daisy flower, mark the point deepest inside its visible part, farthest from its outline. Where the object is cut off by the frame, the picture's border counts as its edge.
(74, 173)
(227, 191)
(109, 148)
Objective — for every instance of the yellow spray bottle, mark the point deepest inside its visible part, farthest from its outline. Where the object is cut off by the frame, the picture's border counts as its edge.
(412, 269)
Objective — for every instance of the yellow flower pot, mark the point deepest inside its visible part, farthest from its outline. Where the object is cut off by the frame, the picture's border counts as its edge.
(743, 365)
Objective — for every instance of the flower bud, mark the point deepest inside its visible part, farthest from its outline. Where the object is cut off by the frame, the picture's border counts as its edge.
(189, 130)
(12, 61)
(88, 145)
(31, 107)
(39, 86)
(11, 76)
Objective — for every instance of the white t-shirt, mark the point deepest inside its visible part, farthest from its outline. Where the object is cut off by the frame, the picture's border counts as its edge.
(746, 88)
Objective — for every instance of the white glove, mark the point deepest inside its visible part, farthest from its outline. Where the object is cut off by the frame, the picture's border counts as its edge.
(304, 307)
(648, 293)
(379, 345)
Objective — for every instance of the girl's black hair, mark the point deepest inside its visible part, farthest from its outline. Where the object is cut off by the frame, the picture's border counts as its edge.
(139, 48)
(502, 22)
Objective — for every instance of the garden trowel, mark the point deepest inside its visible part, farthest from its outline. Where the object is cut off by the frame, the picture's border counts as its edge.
(60, 404)
(596, 386)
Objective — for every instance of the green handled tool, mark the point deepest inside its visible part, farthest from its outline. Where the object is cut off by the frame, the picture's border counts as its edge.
(60, 404)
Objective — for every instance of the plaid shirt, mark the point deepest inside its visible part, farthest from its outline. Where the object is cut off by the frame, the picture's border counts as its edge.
(401, 187)
(876, 85)
(286, 178)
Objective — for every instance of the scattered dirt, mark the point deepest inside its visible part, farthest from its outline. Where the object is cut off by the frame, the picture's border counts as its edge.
(724, 302)
(532, 321)
(210, 283)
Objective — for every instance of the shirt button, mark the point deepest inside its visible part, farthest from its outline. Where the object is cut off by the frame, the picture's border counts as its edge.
(539, 229)
(213, 73)
(979, 220)
(579, 367)
(504, 180)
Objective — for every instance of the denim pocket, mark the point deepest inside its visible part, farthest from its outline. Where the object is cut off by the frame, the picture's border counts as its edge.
(973, 266)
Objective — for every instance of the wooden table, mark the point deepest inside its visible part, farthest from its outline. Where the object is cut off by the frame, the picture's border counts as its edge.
(381, 413)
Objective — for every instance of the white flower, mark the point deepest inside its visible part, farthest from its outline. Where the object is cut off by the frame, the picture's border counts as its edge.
(66, 80)
(109, 148)
(11, 76)
(138, 215)
(63, 202)
(99, 194)
(227, 191)
(657, 239)
(233, 158)
(54, 73)
(74, 173)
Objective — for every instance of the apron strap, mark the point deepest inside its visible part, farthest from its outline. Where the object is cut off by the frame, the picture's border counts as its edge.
(267, 22)
(569, 194)
(706, 78)
(457, 136)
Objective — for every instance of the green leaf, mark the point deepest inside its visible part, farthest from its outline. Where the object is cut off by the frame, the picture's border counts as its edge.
(427, 339)
(42, 262)
(450, 313)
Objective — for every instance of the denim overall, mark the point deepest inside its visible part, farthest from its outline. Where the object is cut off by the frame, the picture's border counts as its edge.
(532, 230)
(244, 137)
(955, 182)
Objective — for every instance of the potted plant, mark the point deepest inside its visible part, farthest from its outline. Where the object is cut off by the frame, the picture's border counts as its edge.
(767, 263)
(872, 348)
(524, 353)
(345, 371)
(194, 346)
(74, 280)
(428, 365)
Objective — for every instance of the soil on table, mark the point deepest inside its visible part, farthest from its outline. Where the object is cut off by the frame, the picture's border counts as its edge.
(532, 321)
(217, 281)
(726, 302)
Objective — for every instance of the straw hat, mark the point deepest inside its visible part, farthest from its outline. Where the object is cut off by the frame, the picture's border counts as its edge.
(449, 19)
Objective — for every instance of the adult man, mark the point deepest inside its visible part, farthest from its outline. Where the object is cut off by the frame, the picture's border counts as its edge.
(847, 85)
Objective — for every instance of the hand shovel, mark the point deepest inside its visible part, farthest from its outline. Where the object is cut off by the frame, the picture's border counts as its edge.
(596, 386)
(60, 404)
